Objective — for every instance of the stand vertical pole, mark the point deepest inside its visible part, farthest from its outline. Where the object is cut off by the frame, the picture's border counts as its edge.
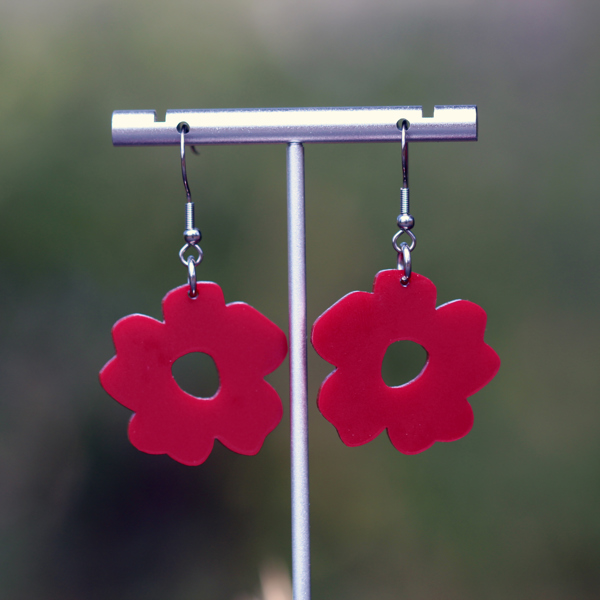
(298, 372)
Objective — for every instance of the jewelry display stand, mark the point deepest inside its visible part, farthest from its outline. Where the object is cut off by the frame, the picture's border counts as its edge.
(295, 127)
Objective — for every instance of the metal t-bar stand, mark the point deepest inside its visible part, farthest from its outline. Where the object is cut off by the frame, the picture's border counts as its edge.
(295, 126)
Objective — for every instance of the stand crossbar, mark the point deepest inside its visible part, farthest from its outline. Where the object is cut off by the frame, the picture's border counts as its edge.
(284, 125)
(294, 126)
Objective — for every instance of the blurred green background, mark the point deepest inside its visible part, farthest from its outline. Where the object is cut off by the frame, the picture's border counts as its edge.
(90, 233)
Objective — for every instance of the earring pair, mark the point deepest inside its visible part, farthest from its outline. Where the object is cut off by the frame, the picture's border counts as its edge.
(353, 335)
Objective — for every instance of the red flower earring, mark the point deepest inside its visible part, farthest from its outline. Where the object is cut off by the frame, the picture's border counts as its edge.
(244, 344)
(356, 331)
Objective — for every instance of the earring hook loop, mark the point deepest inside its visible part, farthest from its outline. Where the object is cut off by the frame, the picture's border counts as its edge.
(398, 246)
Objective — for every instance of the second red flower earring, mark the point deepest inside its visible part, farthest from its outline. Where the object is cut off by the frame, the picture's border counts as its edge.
(355, 333)
(243, 343)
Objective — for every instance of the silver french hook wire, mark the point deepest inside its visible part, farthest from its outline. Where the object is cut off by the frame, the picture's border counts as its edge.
(186, 185)
(191, 235)
(405, 219)
(404, 156)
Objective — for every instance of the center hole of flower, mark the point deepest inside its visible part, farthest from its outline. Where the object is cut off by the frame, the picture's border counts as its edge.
(196, 373)
(403, 362)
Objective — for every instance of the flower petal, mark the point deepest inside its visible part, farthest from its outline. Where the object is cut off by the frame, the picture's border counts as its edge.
(349, 408)
(348, 318)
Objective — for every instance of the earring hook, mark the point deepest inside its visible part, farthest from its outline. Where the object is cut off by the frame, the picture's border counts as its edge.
(404, 155)
(405, 220)
(191, 235)
(183, 129)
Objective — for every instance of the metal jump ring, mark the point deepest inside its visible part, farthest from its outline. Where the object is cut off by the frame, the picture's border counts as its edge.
(410, 234)
(405, 262)
(191, 265)
(197, 261)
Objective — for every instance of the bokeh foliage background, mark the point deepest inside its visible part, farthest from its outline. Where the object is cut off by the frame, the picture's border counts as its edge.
(89, 233)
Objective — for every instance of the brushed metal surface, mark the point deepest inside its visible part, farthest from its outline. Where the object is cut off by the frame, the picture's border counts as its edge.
(298, 373)
(285, 125)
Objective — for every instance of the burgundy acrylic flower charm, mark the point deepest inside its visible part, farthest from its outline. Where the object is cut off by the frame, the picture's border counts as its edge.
(245, 346)
(354, 335)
